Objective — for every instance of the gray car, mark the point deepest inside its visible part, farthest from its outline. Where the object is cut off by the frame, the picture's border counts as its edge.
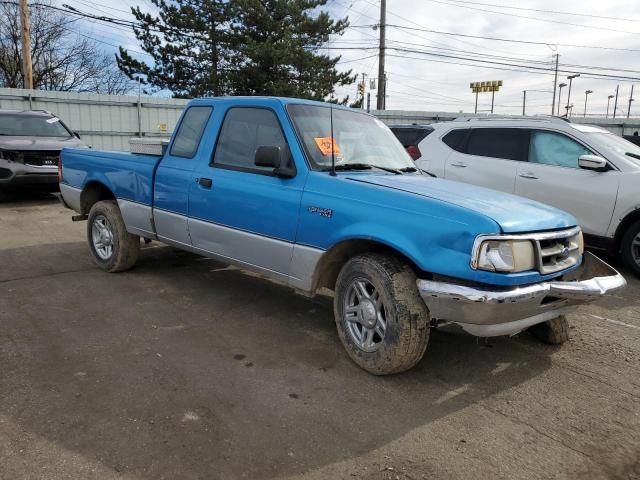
(30, 145)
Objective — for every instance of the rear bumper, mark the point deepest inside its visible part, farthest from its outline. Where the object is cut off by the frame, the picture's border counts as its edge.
(491, 312)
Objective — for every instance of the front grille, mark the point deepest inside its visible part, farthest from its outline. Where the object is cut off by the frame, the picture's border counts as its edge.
(36, 158)
(41, 158)
(558, 250)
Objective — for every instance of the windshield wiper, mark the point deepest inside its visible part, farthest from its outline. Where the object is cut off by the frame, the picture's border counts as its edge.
(364, 166)
(633, 155)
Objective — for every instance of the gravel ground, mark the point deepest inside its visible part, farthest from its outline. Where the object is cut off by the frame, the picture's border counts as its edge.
(184, 368)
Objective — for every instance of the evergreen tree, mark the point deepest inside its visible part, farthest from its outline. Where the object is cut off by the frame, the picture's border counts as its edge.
(283, 49)
(191, 43)
(238, 47)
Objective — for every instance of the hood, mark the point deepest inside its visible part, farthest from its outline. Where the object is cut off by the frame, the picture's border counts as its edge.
(38, 143)
(514, 214)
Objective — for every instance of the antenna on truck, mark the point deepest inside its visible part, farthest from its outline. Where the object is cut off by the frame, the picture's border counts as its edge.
(333, 142)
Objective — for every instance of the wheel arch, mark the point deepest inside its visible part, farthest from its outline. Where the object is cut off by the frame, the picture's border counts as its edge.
(93, 192)
(630, 219)
(332, 261)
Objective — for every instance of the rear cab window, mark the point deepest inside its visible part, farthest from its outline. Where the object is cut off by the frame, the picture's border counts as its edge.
(187, 139)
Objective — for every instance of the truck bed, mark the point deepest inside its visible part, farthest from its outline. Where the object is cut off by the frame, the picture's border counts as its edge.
(128, 175)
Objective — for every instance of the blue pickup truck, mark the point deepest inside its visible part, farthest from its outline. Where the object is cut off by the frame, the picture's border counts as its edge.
(321, 197)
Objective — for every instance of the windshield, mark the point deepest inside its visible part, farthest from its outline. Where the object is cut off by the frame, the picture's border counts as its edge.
(617, 145)
(360, 141)
(25, 125)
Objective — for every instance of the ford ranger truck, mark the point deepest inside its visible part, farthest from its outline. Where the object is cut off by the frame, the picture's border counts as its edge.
(317, 196)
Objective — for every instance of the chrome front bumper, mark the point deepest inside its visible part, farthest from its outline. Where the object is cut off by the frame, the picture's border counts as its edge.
(489, 312)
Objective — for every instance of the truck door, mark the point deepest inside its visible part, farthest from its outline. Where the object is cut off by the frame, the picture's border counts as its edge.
(238, 210)
(174, 176)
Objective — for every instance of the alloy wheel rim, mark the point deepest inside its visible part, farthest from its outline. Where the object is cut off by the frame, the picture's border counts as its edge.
(365, 315)
(102, 237)
(635, 249)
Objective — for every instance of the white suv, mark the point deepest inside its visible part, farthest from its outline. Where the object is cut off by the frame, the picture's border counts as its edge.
(585, 170)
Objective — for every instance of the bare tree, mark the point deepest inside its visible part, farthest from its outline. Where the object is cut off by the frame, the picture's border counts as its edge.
(62, 59)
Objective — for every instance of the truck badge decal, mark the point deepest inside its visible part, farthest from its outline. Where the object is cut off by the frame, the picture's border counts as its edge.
(324, 212)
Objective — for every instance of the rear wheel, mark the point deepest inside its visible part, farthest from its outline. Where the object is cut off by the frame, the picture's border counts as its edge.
(381, 319)
(113, 248)
(630, 247)
(553, 332)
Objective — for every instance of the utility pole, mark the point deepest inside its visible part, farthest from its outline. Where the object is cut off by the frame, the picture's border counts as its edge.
(586, 95)
(630, 100)
(615, 103)
(608, 102)
(368, 102)
(493, 94)
(524, 100)
(555, 85)
(381, 76)
(27, 69)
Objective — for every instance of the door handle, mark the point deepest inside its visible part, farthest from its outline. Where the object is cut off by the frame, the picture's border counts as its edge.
(459, 165)
(205, 182)
(528, 175)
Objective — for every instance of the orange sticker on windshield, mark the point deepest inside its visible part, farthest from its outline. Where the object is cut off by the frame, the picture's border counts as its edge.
(325, 145)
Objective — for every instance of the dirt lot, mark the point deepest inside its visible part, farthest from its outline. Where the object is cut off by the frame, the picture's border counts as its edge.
(183, 368)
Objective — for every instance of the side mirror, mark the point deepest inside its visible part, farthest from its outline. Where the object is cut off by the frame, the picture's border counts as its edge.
(267, 156)
(592, 162)
(270, 156)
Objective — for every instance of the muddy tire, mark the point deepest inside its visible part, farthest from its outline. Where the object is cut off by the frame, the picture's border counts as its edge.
(553, 332)
(112, 247)
(630, 247)
(381, 319)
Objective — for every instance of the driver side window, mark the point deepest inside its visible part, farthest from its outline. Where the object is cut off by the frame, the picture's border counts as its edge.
(243, 131)
(555, 149)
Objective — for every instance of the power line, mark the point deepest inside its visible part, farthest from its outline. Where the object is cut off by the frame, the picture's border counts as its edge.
(498, 39)
(575, 14)
(505, 63)
(533, 18)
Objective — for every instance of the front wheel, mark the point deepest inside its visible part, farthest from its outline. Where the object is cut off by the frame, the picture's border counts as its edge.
(630, 247)
(113, 248)
(381, 319)
(553, 332)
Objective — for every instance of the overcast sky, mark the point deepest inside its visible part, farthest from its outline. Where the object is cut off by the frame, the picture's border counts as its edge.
(421, 82)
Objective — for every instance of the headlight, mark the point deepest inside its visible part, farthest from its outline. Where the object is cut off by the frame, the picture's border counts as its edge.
(505, 256)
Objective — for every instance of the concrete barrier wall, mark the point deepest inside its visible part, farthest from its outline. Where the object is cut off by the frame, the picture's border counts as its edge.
(108, 121)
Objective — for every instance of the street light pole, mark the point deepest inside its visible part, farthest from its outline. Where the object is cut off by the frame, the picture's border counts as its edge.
(586, 95)
(560, 87)
(524, 101)
(570, 78)
(631, 99)
(608, 102)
